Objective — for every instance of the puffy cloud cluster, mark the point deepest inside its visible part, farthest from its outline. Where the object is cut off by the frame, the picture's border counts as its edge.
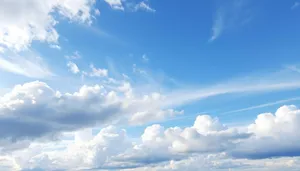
(111, 148)
(22, 22)
(35, 110)
(207, 144)
(130, 5)
(275, 135)
(73, 67)
(85, 151)
(115, 4)
(207, 135)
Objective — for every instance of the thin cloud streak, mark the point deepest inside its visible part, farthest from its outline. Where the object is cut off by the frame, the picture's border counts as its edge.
(229, 15)
(181, 98)
(234, 111)
(218, 26)
(278, 81)
(261, 106)
(29, 65)
(296, 5)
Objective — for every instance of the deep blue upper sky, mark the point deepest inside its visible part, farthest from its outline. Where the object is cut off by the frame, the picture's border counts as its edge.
(262, 35)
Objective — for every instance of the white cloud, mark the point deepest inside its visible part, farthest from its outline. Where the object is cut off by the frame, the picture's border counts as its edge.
(2, 50)
(73, 67)
(136, 69)
(22, 22)
(144, 116)
(208, 144)
(74, 56)
(98, 72)
(145, 58)
(58, 112)
(44, 111)
(144, 6)
(115, 4)
(97, 12)
(111, 148)
(296, 5)
(29, 65)
(123, 5)
(293, 68)
(275, 135)
(229, 15)
(262, 105)
(55, 47)
(218, 26)
(277, 81)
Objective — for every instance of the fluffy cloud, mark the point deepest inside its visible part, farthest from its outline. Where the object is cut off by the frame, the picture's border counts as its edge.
(35, 110)
(111, 148)
(207, 144)
(95, 72)
(98, 72)
(115, 4)
(144, 116)
(33, 113)
(74, 56)
(144, 6)
(130, 5)
(275, 135)
(73, 67)
(45, 111)
(22, 22)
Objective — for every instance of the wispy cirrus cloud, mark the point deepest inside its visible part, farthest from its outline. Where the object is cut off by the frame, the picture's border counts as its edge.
(229, 14)
(281, 80)
(296, 5)
(29, 65)
(261, 106)
(218, 26)
(144, 6)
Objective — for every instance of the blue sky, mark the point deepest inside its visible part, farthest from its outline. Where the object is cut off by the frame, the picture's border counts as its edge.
(81, 72)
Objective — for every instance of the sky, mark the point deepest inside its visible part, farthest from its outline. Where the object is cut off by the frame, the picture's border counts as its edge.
(149, 85)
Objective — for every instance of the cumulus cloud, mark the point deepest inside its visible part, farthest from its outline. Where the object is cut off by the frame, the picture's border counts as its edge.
(111, 148)
(95, 72)
(144, 6)
(115, 4)
(98, 72)
(207, 144)
(74, 56)
(123, 5)
(46, 112)
(97, 12)
(276, 135)
(73, 67)
(22, 22)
